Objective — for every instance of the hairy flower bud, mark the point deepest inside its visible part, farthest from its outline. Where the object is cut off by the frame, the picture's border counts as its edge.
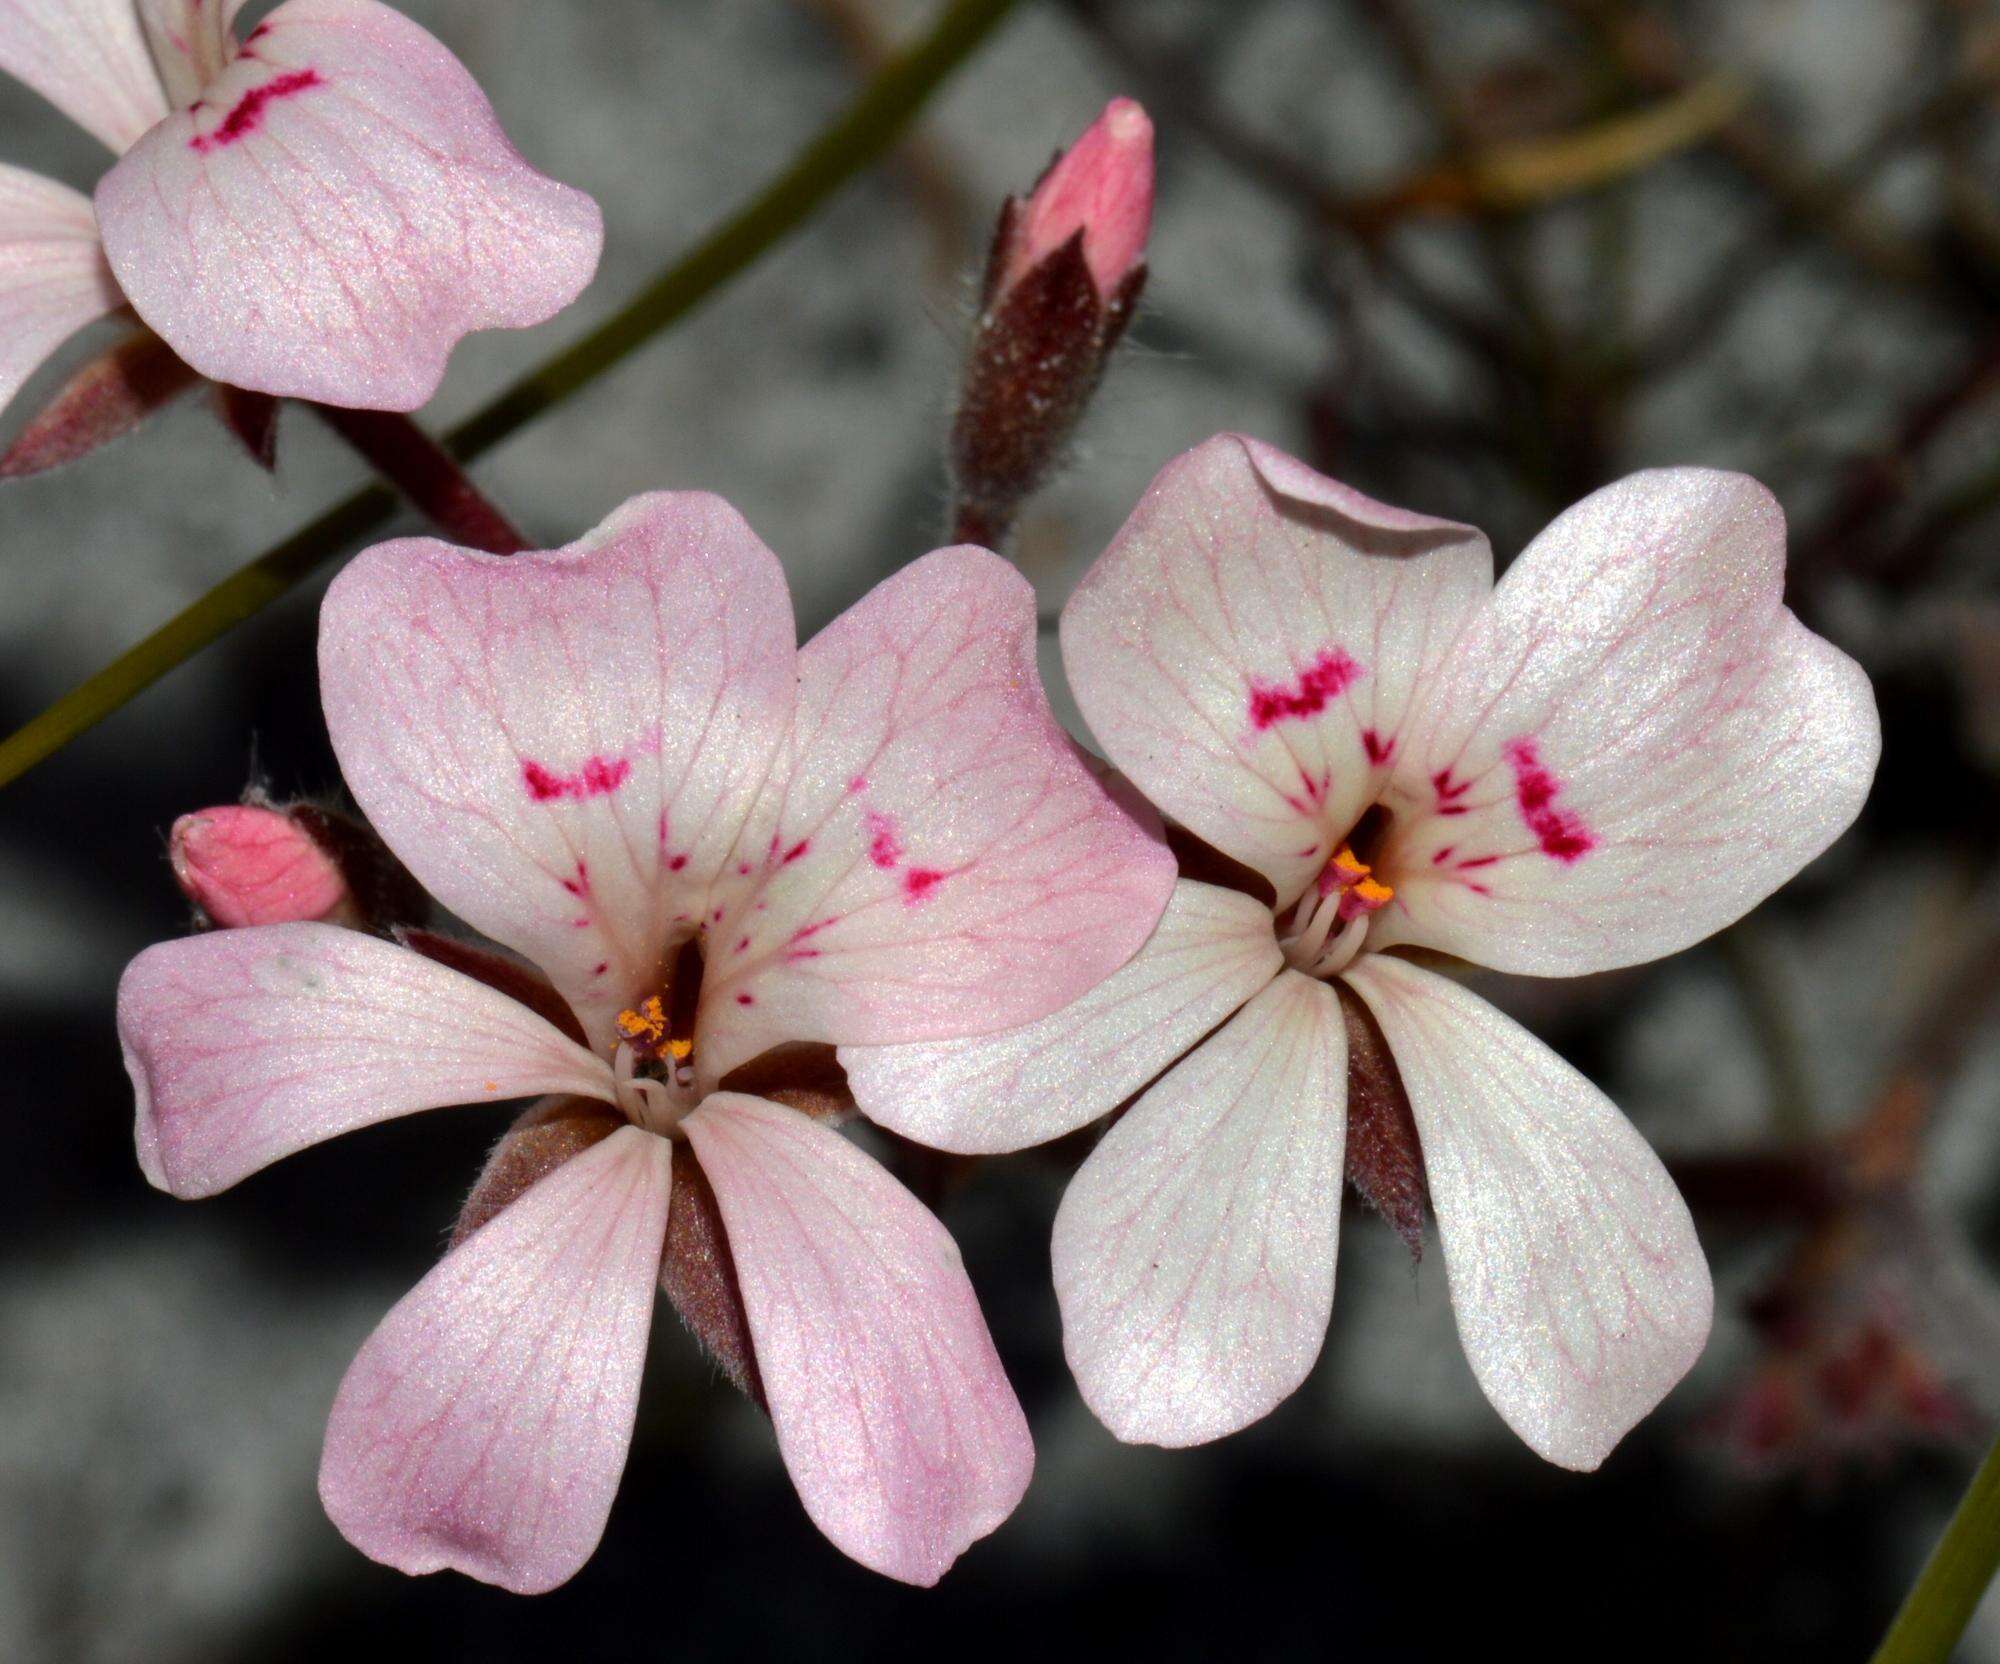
(245, 864)
(259, 862)
(1063, 276)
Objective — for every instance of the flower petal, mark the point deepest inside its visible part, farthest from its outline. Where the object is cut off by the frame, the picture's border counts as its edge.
(1213, 950)
(190, 43)
(247, 1045)
(936, 860)
(483, 1426)
(53, 279)
(89, 59)
(892, 1411)
(1247, 648)
(338, 211)
(1194, 1250)
(563, 746)
(1579, 1286)
(1633, 745)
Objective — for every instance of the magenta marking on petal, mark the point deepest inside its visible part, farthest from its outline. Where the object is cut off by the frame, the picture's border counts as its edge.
(1330, 674)
(1440, 856)
(1441, 783)
(600, 967)
(579, 885)
(248, 115)
(858, 784)
(677, 863)
(795, 852)
(1561, 832)
(884, 848)
(918, 883)
(1379, 750)
(596, 778)
(746, 999)
(1476, 862)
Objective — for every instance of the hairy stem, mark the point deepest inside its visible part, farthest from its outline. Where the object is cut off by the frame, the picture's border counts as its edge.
(427, 474)
(869, 126)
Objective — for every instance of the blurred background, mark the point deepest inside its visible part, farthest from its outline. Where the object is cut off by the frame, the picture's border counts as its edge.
(1477, 258)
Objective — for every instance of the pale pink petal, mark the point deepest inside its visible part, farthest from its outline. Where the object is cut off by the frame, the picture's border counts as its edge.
(935, 860)
(1213, 949)
(1247, 648)
(338, 211)
(89, 59)
(1194, 1249)
(53, 279)
(893, 1414)
(563, 746)
(1579, 1287)
(1631, 746)
(483, 1427)
(246, 1045)
(190, 41)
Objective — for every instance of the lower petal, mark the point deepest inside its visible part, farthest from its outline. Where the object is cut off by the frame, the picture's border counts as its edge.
(247, 1045)
(1194, 1251)
(1211, 951)
(1580, 1289)
(895, 1419)
(483, 1427)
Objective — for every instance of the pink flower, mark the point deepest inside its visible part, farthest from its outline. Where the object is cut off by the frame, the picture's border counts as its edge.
(612, 760)
(1101, 187)
(245, 864)
(321, 211)
(1620, 748)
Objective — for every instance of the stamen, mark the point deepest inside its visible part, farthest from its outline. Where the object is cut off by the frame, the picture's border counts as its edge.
(647, 1026)
(1347, 893)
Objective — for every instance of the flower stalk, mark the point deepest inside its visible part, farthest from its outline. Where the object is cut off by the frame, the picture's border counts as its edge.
(1948, 1590)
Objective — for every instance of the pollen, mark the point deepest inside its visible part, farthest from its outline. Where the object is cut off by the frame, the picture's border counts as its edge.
(648, 1025)
(678, 1049)
(1360, 891)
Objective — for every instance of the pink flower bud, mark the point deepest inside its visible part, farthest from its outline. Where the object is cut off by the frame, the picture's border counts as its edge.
(1103, 187)
(245, 865)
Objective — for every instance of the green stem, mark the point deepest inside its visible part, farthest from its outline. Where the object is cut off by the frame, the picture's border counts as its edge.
(1936, 1611)
(869, 126)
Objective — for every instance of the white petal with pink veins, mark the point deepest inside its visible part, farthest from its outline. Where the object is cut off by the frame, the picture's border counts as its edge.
(892, 1411)
(935, 860)
(1213, 950)
(563, 746)
(1579, 1287)
(247, 1045)
(337, 212)
(53, 279)
(1194, 1250)
(1247, 648)
(484, 1425)
(89, 59)
(1633, 745)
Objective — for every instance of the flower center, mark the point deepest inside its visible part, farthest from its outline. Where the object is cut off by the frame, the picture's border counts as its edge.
(654, 1062)
(1323, 933)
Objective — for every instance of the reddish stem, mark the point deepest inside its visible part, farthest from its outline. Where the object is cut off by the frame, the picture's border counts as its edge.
(426, 473)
